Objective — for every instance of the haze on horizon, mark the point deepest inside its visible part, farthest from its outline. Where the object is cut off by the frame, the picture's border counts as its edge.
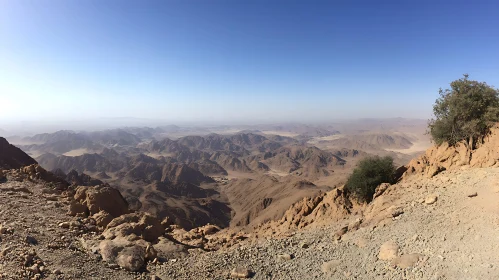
(234, 61)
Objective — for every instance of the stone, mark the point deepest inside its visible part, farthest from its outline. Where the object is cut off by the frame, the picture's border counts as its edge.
(431, 199)
(131, 258)
(101, 198)
(355, 225)
(31, 240)
(472, 194)
(337, 235)
(140, 225)
(303, 245)
(102, 219)
(284, 257)
(396, 211)
(64, 225)
(380, 189)
(128, 255)
(209, 229)
(388, 251)
(240, 272)
(151, 253)
(407, 261)
(34, 268)
(76, 208)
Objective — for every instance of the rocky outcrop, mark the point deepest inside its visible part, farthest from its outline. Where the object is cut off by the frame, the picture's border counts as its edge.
(133, 239)
(323, 209)
(35, 173)
(141, 225)
(102, 203)
(92, 200)
(446, 157)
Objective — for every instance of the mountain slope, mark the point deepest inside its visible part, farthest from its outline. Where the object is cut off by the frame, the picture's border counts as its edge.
(13, 157)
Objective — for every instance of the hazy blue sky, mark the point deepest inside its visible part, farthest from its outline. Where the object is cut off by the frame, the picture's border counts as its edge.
(239, 60)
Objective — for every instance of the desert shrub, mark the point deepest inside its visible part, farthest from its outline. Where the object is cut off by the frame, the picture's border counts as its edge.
(370, 173)
(465, 112)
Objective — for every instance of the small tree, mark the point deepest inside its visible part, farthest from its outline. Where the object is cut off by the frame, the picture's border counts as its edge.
(465, 112)
(369, 174)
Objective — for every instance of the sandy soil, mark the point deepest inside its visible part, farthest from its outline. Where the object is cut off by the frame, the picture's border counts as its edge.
(76, 152)
(281, 133)
(417, 147)
(274, 172)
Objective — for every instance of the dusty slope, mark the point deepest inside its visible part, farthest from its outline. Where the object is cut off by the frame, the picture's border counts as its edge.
(26, 209)
(266, 198)
(12, 157)
(431, 225)
(455, 237)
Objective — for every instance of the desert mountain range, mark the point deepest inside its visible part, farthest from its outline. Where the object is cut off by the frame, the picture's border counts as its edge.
(227, 176)
(426, 226)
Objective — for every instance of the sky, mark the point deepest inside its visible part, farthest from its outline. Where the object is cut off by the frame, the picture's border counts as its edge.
(238, 61)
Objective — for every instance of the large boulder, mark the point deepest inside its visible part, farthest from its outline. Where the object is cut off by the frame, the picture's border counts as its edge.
(129, 255)
(142, 225)
(167, 249)
(100, 198)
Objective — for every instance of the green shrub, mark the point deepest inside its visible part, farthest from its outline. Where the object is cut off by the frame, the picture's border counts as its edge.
(465, 112)
(369, 174)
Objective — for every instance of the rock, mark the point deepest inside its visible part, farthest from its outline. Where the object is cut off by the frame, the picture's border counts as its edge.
(396, 211)
(154, 277)
(4, 252)
(240, 272)
(330, 266)
(64, 225)
(31, 240)
(284, 257)
(431, 199)
(303, 245)
(472, 194)
(34, 269)
(142, 225)
(151, 253)
(355, 225)
(381, 189)
(101, 198)
(57, 271)
(209, 229)
(337, 235)
(76, 208)
(406, 261)
(167, 249)
(388, 251)
(102, 219)
(131, 258)
(128, 255)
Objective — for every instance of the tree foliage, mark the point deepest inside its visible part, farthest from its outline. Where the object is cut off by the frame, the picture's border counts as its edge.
(465, 112)
(369, 174)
